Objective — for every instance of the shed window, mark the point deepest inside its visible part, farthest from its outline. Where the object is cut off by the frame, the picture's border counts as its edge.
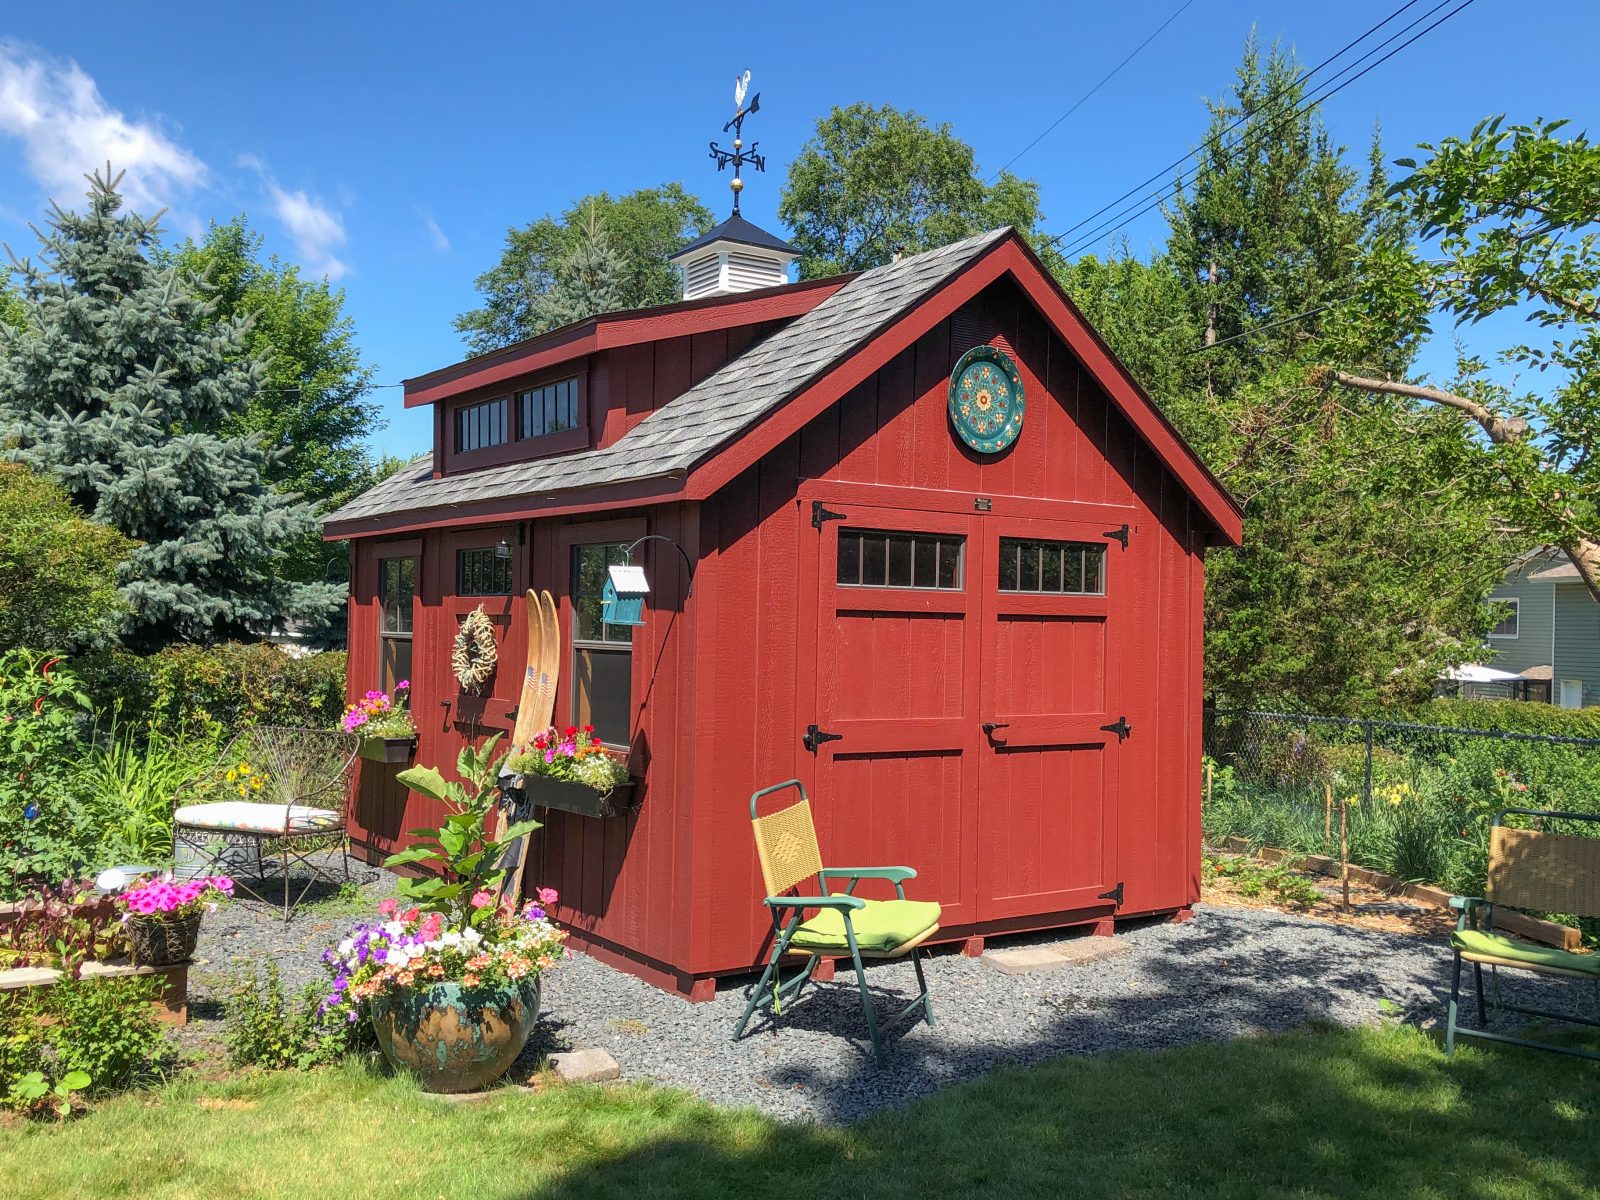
(602, 655)
(1062, 568)
(482, 572)
(397, 579)
(550, 408)
(482, 425)
(868, 558)
(1507, 628)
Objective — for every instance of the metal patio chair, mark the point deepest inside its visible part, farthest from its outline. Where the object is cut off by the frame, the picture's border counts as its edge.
(276, 793)
(786, 844)
(1528, 869)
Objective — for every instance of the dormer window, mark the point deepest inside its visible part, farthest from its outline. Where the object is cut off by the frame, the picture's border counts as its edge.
(549, 408)
(482, 425)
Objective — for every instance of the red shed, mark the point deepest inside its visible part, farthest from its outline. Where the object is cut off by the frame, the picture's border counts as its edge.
(984, 663)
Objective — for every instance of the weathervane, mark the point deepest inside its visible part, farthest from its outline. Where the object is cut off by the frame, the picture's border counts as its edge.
(738, 156)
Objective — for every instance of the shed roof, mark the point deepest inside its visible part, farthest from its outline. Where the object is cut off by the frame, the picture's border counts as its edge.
(716, 410)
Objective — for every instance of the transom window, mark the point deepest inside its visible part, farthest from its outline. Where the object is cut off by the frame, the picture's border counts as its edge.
(397, 580)
(1070, 568)
(602, 655)
(482, 572)
(550, 408)
(1507, 626)
(868, 558)
(481, 425)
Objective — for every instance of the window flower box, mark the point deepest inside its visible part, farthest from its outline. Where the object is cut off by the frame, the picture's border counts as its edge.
(564, 794)
(571, 771)
(388, 749)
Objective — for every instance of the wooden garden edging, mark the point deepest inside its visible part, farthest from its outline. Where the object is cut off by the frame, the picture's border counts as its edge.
(1549, 933)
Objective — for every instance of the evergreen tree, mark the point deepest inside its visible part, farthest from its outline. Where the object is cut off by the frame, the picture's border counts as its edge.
(587, 280)
(121, 389)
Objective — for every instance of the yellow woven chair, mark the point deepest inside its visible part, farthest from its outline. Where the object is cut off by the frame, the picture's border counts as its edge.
(1528, 869)
(845, 924)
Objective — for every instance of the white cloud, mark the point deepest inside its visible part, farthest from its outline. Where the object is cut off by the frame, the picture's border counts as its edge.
(316, 229)
(67, 129)
(440, 242)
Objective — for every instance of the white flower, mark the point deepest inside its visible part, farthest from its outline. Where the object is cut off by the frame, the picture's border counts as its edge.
(471, 936)
(345, 947)
(394, 928)
(450, 940)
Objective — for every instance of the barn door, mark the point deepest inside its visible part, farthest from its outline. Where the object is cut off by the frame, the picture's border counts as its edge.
(890, 729)
(1052, 718)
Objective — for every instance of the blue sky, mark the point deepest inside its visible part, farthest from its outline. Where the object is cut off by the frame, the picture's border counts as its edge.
(391, 146)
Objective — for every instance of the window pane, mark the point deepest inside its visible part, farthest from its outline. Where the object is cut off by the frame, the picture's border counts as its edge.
(1072, 568)
(1094, 558)
(481, 425)
(1028, 568)
(482, 572)
(950, 563)
(849, 557)
(899, 562)
(925, 572)
(394, 655)
(874, 560)
(602, 693)
(396, 577)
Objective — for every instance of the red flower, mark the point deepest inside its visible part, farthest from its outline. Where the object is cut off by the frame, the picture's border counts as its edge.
(588, 728)
(571, 730)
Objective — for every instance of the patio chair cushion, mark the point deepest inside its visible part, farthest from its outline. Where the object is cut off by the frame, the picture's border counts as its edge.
(881, 926)
(244, 816)
(1493, 945)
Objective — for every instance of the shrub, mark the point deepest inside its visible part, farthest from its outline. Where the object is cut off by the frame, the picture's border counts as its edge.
(104, 1028)
(130, 783)
(262, 1027)
(1504, 716)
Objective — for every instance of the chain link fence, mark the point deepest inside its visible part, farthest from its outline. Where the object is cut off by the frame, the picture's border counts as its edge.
(1417, 799)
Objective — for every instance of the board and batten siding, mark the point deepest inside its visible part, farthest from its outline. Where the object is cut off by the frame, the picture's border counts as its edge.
(1577, 641)
(1533, 645)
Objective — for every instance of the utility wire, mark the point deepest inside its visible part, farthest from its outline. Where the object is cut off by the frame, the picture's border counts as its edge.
(1111, 74)
(1252, 137)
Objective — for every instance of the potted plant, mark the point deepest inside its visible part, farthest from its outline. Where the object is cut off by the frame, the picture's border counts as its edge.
(451, 974)
(388, 734)
(161, 916)
(568, 769)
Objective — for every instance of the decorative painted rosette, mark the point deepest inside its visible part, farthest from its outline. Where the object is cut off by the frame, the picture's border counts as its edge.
(986, 400)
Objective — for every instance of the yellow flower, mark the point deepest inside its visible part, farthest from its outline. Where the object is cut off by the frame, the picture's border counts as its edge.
(232, 775)
(256, 783)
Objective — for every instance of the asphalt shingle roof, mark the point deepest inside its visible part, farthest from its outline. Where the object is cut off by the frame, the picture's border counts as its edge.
(690, 428)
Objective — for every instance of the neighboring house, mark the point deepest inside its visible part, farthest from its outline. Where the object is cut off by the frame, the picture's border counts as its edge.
(1551, 636)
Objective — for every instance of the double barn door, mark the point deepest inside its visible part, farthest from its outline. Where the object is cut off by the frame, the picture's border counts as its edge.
(965, 717)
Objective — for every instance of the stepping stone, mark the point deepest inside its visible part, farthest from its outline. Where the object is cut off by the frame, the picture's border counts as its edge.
(1076, 952)
(593, 1065)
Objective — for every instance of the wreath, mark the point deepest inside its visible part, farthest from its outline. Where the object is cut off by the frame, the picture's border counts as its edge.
(474, 655)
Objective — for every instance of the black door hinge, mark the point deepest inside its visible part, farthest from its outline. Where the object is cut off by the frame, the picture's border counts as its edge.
(1114, 895)
(820, 514)
(1120, 535)
(1120, 727)
(814, 737)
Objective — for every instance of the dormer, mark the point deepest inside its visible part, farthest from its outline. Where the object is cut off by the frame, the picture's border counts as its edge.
(736, 256)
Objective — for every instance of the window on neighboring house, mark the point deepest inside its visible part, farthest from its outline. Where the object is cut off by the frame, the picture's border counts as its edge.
(868, 558)
(549, 408)
(482, 572)
(1059, 568)
(397, 582)
(1507, 628)
(481, 425)
(602, 655)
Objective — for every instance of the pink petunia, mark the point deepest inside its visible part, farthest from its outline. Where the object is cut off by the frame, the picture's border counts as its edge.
(386, 908)
(482, 899)
(548, 896)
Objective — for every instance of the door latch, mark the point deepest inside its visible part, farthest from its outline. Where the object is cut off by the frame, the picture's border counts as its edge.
(990, 726)
(1120, 727)
(814, 737)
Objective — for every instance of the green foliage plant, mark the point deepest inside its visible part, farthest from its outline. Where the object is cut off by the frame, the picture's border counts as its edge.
(32, 1092)
(104, 1029)
(130, 779)
(264, 1027)
(465, 855)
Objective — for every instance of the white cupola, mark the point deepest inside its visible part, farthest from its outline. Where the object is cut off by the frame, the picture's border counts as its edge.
(736, 256)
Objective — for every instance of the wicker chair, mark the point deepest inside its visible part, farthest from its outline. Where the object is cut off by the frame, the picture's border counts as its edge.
(1528, 869)
(277, 795)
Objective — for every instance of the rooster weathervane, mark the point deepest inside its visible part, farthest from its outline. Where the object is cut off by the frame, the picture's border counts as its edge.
(738, 156)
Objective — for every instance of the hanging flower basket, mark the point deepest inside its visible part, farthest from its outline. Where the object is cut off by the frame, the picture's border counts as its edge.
(162, 941)
(388, 749)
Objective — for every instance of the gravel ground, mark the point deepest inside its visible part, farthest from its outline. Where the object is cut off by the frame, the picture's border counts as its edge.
(1228, 973)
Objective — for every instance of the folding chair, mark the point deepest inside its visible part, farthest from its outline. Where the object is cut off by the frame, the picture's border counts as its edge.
(786, 844)
(1531, 869)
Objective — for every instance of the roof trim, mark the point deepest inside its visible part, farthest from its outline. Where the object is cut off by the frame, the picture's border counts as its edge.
(1009, 255)
(608, 331)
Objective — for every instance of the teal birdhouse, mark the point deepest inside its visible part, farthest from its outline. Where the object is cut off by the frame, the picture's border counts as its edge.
(622, 598)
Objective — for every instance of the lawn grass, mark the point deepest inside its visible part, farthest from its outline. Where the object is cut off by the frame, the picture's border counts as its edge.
(1366, 1113)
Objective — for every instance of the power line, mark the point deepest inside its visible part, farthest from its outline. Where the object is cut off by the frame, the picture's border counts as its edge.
(1077, 104)
(1318, 97)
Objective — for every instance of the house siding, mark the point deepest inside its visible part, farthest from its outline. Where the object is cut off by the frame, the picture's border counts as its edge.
(1577, 640)
(1533, 645)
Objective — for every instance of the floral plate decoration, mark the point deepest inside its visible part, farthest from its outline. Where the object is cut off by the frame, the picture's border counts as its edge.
(986, 400)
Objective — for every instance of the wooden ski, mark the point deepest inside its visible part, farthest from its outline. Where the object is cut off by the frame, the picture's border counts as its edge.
(545, 701)
(528, 705)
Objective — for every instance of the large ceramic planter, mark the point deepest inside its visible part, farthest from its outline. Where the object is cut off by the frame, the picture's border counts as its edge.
(456, 1038)
(387, 750)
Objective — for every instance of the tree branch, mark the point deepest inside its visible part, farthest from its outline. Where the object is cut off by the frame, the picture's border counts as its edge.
(1501, 430)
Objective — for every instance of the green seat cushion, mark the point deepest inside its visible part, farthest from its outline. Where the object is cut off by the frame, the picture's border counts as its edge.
(880, 926)
(1473, 941)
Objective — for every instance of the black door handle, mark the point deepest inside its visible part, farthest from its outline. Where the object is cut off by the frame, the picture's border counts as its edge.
(990, 726)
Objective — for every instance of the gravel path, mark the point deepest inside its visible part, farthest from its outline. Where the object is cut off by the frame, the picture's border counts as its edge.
(1228, 973)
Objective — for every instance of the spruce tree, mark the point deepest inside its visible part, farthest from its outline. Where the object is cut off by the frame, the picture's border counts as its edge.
(588, 279)
(120, 388)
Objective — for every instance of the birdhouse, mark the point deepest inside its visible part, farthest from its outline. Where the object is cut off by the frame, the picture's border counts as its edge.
(622, 598)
